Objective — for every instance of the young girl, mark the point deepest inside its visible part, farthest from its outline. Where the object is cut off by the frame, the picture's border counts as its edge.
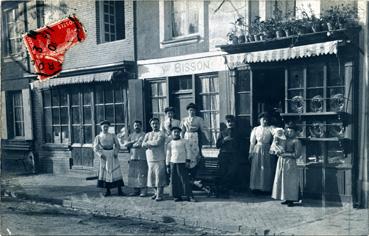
(155, 155)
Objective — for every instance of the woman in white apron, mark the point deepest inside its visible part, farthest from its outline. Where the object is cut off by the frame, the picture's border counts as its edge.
(106, 147)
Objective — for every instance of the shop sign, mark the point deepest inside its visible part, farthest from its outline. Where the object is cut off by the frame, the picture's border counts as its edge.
(185, 67)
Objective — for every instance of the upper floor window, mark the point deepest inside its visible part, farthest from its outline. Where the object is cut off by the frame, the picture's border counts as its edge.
(110, 21)
(185, 17)
(13, 25)
(181, 21)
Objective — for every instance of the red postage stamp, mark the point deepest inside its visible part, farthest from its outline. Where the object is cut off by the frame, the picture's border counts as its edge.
(48, 45)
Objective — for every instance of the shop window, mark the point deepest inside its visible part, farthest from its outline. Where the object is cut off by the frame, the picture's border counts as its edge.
(158, 99)
(16, 114)
(13, 25)
(108, 102)
(56, 116)
(209, 97)
(110, 105)
(182, 21)
(110, 21)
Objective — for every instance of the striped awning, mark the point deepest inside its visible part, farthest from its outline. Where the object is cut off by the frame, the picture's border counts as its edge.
(282, 54)
(78, 79)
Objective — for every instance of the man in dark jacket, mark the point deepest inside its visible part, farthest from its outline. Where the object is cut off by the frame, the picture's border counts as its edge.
(229, 144)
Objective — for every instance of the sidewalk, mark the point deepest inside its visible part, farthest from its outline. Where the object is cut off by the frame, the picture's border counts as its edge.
(241, 214)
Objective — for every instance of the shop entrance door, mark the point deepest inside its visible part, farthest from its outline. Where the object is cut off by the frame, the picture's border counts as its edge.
(182, 95)
(269, 94)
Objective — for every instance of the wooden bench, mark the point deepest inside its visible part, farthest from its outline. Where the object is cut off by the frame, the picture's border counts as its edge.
(207, 176)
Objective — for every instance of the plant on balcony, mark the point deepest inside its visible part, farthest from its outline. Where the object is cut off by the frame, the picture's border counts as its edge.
(340, 16)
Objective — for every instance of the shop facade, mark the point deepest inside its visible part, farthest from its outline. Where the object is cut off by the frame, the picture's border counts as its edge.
(313, 83)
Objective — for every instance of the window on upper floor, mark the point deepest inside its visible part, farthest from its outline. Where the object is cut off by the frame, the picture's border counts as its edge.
(181, 22)
(14, 25)
(110, 23)
(40, 13)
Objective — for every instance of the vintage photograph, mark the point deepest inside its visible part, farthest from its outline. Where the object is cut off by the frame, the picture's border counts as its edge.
(184, 117)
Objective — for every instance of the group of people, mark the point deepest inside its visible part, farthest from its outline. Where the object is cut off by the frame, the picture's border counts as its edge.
(170, 154)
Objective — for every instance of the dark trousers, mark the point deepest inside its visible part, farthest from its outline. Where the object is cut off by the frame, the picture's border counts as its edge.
(227, 170)
(179, 180)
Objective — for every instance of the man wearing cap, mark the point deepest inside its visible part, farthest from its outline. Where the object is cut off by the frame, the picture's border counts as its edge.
(169, 121)
(229, 144)
(106, 146)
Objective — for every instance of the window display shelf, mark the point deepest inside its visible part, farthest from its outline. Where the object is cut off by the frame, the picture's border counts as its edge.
(311, 114)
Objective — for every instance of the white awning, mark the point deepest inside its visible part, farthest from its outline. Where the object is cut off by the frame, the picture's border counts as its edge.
(282, 54)
(78, 79)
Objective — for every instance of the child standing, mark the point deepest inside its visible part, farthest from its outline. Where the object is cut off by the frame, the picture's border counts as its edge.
(178, 161)
(155, 155)
(137, 167)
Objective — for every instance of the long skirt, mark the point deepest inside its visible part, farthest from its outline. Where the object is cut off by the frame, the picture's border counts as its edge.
(193, 142)
(286, 181)
(156, 175)
(110, 174)
(137, 173)
(261, 174)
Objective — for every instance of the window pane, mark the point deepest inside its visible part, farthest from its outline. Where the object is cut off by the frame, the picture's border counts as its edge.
(87, 115)
(17, 99)
(118, 93)
(154, 89)
(99, 113)
(108, 96)
(243, 81)
(119, 113)
(109, 111)
(75, 115)
(155, 105)
(193, 16)
(56, 134)
(112, 28)
(75, 98)
(106, 18)
(294, 93)
(19, 131)
(65, 134)
(296, 78)
(47, 98)
(315, 76)
(87, 132)
(334, 78)
(87, 98)
(244, 104)
(64, 115)
(162, 89)
(56, 117)
(179, 18)
(76, 134)
(18, 114)
(63, 98)
(55, 98)
(99, 95)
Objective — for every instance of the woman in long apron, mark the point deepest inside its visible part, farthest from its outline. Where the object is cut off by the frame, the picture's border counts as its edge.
(261, 175)
(286, 181)
(106, 147)
(192, 126)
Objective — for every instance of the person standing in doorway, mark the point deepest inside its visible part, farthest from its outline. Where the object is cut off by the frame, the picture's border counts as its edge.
(229, 144)
(106, 147)
(137, 167)
(192, 127)
(261, 174)
(286, 181)
(169, 121)
(155, 155)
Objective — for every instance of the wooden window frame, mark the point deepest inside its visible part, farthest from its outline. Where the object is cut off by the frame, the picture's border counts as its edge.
(102, 30)
(17, 120)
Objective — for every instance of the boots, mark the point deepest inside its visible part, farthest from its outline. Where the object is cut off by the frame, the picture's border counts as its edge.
(108, 193)
(120, 192)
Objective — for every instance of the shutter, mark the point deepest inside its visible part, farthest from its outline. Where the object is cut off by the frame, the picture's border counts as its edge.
(135, 100)
(27, 114)
(119, 19)
(4, 123)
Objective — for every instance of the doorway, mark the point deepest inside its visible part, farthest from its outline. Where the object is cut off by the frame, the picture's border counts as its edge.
(182, 95)
(269, 93)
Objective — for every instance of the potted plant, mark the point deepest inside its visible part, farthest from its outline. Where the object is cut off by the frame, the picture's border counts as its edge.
(240, 29)
(254, 28)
